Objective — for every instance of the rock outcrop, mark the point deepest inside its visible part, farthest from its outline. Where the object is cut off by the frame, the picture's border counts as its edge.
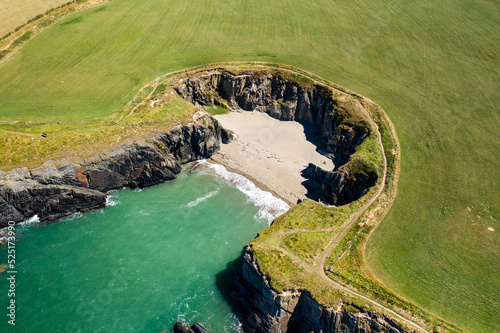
(181, 327)
(336, 116)
(268, 311)
(60, 188)
(198, 328)
(20, 200)
(339, 186)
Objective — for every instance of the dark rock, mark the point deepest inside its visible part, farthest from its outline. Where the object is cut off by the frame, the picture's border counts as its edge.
(130, 165)
(197, 140)
(8, 213)
(341, 186)
(338, 119)
(22, 200)
(181, 327)
(265, 310)
(198, 328)
(60, 188)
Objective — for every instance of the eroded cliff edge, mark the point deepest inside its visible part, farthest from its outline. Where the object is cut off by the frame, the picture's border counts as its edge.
(348, 137)
(334, 116)
(61, 188)
(263, 309)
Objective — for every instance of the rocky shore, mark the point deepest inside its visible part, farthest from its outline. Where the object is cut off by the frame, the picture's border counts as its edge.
(339, 120)
(60, 188)
(336, 116)
(265, 310)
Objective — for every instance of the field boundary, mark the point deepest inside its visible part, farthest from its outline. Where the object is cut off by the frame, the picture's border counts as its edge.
(432, 67)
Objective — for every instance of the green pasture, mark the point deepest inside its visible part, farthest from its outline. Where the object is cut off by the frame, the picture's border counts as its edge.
(433, 66)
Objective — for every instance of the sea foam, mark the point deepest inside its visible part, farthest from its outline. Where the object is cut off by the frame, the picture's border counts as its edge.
(33, 219)
(201, 199)
(110, 199)
(271, 206)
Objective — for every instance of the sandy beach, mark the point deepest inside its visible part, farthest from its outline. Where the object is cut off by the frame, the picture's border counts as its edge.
(269, 151)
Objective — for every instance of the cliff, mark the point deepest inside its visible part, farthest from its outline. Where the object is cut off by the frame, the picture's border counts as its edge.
(61, 188)
(266, 310)
(334, 115)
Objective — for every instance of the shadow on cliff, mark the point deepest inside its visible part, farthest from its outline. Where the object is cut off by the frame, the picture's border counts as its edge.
(225, 279)
(313, 135)
(311, 186)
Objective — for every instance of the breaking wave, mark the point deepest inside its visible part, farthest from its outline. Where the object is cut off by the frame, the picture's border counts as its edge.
(110, 199)
(271, 206)
(33, 219)
(199, 200)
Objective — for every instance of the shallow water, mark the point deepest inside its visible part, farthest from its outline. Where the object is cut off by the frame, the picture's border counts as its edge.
(139, 265)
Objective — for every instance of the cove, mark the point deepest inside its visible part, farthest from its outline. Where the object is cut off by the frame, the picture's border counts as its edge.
(144, 262)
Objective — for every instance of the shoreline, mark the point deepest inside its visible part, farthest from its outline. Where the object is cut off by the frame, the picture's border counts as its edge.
(257, 183)
(255, 191)
(272, 153)
(262, 183)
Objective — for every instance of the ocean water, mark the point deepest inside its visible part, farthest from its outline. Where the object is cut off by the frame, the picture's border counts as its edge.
(141, 264)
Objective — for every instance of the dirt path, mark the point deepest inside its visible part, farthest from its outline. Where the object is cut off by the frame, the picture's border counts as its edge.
(91, 127)
(354, 218)
(156, 84)
(313, 269)
(317, 267)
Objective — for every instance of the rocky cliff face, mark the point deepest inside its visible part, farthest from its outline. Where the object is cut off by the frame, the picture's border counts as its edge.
(60, 188)
(338, 187)
(266, 310)
(336, 117)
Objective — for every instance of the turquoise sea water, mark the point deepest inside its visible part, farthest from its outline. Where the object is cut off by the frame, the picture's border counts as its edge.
(144, 262)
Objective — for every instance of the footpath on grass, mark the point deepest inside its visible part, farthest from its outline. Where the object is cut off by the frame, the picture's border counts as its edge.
(158, 105)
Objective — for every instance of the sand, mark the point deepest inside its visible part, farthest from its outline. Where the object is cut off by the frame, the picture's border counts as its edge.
(271, 151)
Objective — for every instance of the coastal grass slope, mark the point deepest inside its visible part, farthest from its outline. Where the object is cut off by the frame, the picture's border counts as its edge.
(155, 108)
(321, 249)
(433, 66)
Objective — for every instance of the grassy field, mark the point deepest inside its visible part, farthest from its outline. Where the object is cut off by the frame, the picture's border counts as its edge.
(433, 66)
(15, 13)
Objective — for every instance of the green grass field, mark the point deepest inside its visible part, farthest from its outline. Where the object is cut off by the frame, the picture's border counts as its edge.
(433, 66)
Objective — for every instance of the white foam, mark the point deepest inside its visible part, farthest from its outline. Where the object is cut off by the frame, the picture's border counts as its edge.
(271, 206)
(264, 215)
(110, 202)
(76, 215)
(199, 200)
(33, 219)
